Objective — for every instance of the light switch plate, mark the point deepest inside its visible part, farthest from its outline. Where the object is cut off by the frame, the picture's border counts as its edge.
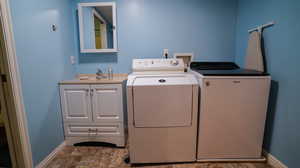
(72, 60)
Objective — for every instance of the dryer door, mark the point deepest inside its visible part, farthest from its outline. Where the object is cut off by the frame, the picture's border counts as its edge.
(162, 102)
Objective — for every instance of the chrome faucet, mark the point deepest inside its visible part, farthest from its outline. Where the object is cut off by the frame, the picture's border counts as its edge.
(99, 74)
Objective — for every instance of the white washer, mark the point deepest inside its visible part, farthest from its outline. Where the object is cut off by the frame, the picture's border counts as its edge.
(232, 112)
(162, 112)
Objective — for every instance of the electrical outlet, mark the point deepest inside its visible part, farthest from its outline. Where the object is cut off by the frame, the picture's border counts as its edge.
(72, 60)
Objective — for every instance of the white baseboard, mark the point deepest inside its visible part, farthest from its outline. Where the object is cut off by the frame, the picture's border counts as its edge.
(273, 161)
(44, 163)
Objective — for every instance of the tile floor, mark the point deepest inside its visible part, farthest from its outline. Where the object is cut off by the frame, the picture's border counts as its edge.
(112, 157)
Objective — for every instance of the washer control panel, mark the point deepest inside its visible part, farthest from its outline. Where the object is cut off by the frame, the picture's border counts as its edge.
(140, 65)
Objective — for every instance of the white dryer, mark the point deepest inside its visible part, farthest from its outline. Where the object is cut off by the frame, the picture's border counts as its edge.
(162, 112)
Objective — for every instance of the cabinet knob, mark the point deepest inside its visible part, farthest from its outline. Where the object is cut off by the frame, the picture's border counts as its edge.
(94, 131)
(162, 81)
(207, 83)
(92, 92)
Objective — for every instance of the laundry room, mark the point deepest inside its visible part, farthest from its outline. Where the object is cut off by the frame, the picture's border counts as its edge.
(149, 83)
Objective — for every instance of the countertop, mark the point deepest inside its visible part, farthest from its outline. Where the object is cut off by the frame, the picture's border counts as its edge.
(91, 79)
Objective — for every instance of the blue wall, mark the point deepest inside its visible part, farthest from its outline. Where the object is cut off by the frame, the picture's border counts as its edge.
(282, 53)
(43, 60)
(146, 27)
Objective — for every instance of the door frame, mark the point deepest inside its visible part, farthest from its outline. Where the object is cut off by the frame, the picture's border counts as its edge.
(17, 116)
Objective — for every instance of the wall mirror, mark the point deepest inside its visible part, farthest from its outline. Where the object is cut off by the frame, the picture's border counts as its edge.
(97, 27)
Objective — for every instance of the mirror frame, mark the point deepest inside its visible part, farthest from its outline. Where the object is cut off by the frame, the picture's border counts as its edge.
(81, 34)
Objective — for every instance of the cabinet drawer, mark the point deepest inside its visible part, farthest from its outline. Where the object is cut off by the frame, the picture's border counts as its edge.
(92, 130)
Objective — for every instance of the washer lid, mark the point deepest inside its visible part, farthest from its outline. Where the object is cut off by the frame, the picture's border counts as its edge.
(164, 80)
(223, 69)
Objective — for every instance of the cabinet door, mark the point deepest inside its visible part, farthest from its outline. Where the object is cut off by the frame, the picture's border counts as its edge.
(232, 118)
(107, 103)
(76, 103)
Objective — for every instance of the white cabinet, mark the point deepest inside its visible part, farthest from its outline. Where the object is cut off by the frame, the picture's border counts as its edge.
(93, 113)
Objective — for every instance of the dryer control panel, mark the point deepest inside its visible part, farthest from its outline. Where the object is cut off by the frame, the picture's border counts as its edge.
(144, 65)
